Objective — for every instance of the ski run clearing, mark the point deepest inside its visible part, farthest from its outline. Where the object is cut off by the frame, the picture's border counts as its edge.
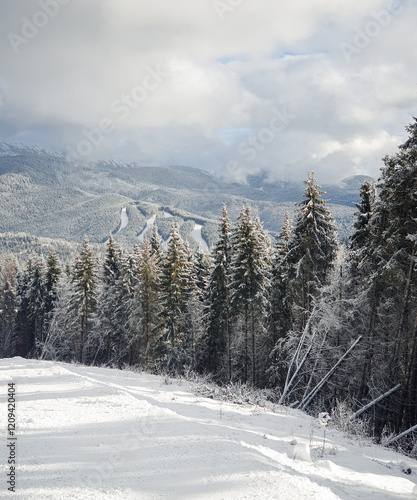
(94, 433)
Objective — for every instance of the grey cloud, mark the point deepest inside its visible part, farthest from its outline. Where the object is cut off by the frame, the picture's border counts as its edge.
(90, 63)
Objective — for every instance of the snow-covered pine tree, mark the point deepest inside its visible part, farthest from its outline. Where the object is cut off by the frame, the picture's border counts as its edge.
(395, 247)
(8, 306)
(156, 242)
(217, 343)
(25, 341)
(311, 251)
(361, 290)
(280, 319)
(84, 299)
(109, 331)
(36, 295)
(176, 286)
(147, 302)
(384, 280)
(62, 336)
(195, 321)
(365, 210)
(251, 267)
(52, 273)
(132, 304)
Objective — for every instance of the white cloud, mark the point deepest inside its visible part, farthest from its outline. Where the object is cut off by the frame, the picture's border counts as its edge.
(219, 71)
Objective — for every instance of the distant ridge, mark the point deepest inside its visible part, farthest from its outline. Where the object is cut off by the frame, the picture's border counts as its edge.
(45, 195)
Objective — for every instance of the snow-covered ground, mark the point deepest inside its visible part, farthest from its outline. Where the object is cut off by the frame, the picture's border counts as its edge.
(124, 219)
(94, 433)
(196, 234)
(148, 228)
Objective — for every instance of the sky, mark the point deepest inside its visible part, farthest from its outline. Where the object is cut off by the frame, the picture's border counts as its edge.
(235, 87)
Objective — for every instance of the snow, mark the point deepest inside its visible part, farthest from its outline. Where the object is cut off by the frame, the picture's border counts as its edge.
(13, 148)
(167, 215)
(148, 227)
(96, 433)
(124, 219)
(196, 235)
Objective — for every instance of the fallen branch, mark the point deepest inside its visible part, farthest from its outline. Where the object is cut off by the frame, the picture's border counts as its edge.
(305, 402)
(396, 438)
(375, 401)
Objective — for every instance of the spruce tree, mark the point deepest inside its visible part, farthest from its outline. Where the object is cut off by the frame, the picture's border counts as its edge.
(36, 295)
(84, 299)
(8, 306)
(52, 275)
(280, 320)
(156, 242)
(365, 209)
(109, 328)
(175, 293)
(218, 355)
(25, 343)
(311, 251)
(147, 302)
(394, 256)
(250, 284)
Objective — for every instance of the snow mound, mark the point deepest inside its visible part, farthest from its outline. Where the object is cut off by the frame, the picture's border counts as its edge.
(302, 452)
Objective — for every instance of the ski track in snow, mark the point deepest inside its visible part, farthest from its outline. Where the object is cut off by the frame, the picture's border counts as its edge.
(148, 227)
(195, 233)
(96, 433)
(124, 219)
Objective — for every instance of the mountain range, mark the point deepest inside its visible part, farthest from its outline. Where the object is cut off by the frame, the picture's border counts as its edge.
(45, 195)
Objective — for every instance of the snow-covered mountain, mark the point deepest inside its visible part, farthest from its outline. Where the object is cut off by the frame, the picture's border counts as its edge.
(10, 148)
(94, 433)
(43, 194)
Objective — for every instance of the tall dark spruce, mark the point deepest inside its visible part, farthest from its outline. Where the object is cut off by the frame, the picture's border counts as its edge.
(218, 354)
(250, 284)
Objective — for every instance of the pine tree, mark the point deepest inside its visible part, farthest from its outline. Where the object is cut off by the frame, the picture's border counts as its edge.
(84, 298)
(25, 343)
(8, 306)
(36, 295)
(109, 328)
(175, 293)
(196, 310)
(280, 321)
(52, 274)
(394, 257)
(359, 267)
(62, 341)
(311, 251)
(250, 284)
(218, 355)
(156, 242)
(148, 303)
(368, 196)
(383, 280)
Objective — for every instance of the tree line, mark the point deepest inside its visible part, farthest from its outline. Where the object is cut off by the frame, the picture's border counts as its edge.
(322, 323)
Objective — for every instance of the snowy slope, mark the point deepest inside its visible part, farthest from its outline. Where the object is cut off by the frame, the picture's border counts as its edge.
(92, 433)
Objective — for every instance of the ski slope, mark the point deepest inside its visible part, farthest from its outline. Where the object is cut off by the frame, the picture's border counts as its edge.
(95, 433)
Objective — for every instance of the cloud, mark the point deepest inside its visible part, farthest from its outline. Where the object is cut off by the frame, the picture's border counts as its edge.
(198, 83)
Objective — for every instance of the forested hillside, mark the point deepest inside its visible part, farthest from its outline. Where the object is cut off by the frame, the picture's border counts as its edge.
(43, 194)
(327, 327)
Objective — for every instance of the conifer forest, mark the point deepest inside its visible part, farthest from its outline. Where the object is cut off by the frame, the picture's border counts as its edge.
(320, 322)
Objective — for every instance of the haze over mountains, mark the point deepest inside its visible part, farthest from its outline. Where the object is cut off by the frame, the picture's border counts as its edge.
(45, 195)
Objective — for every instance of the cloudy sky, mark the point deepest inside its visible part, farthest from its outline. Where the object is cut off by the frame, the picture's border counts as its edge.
(231, 86)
